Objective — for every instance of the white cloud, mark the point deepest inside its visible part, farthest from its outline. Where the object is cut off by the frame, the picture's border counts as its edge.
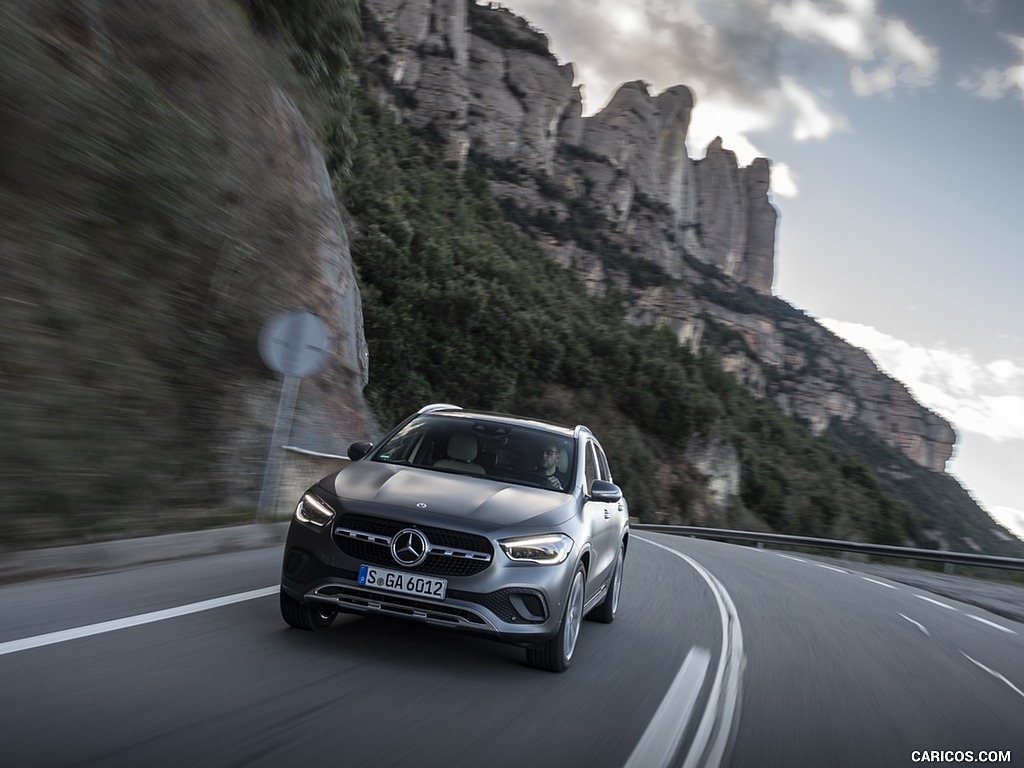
(722, 117)
(846, 31)
(868, 83)
(885, 53)
(906, 47)
(719, 115)
(904, 59)
(812, 121)
(1010, 518)
(993, 84)
(1005, 370)
(985, 399)
(784, 180)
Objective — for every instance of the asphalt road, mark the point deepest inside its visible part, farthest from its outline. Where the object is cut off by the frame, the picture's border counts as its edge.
(720, 655)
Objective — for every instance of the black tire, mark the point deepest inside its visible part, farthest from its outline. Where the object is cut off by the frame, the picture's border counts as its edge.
(606, 610)
(556, 654)
(302, 616)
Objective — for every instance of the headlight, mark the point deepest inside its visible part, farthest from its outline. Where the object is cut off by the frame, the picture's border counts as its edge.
(548, 549)
(313, 511)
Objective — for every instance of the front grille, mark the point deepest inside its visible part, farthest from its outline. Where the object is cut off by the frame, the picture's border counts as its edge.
(365, 538)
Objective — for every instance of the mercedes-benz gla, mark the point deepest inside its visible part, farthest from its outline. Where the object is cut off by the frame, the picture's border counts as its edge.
(503, 526)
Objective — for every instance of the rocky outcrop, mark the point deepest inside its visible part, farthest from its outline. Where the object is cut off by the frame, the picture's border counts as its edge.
(757, 267)
(487, 80)
(718, 464)
(721, 213)
(429, 51)
(819, 379)
(706, 228)
(520, 120)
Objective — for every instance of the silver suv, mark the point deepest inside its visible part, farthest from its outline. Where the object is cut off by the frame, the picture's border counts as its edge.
(503, 526)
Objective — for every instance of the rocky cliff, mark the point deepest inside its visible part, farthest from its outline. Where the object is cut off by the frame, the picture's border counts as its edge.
(616, 197)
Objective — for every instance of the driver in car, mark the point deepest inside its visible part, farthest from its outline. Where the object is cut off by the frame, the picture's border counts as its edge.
(549, 466)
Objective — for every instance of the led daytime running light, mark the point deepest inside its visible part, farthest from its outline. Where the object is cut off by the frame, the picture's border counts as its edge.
(313, 511)
(548, 549)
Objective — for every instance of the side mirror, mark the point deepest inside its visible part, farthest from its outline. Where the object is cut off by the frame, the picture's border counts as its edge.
(602, 490)
(356, 451)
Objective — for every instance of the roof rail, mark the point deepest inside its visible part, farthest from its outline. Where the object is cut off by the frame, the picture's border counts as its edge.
(439, 407)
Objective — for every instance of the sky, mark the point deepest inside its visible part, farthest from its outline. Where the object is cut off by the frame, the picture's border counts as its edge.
(895, 132)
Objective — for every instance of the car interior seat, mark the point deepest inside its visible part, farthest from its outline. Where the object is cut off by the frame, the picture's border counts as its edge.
(562, 467)
(462, 450)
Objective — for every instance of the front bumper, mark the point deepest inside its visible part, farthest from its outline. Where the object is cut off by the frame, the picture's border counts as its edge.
(517, 603)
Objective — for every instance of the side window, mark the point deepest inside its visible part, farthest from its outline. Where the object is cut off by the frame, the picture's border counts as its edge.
(602, 463)
(590, 466)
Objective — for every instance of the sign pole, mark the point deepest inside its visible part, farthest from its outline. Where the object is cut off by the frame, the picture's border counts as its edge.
(275, 457)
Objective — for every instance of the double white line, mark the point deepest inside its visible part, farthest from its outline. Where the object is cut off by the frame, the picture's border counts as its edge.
(664, 734)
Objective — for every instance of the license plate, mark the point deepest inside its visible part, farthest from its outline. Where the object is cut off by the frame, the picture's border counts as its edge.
(404, 583)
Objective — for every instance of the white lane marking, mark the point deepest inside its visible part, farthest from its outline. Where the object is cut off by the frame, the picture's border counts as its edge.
(723, 700)
(920, 626)
(936, 602)
(991, 623)
(993, 673)
(879, 583)
(790, 557)
(831, 567)
(51, 638)
(661, 739)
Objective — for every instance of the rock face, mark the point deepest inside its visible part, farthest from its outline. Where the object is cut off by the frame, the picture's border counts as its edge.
(706, 228)
(326, 419)
(819, 379)
(494, 85)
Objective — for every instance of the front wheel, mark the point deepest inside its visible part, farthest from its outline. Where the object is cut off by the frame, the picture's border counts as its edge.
(556, 654)
(605, 612)
(302, 616)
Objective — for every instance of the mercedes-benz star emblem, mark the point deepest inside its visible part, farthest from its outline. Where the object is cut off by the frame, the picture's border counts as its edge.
(409, 547)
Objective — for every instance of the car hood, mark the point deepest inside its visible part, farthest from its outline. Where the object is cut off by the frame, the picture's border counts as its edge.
(487, 503)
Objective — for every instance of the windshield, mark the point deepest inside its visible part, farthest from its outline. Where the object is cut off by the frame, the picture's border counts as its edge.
(493, 449)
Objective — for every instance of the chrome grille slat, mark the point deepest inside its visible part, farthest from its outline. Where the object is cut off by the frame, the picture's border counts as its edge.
(482, 556)
(384, 541)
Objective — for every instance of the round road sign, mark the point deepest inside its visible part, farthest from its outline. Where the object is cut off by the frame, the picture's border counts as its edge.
(294, 343)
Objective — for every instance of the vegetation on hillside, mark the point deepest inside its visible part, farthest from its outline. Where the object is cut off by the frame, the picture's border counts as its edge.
(461, 307)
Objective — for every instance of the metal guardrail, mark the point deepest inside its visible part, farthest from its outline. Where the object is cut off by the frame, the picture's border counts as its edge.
(878, 550)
